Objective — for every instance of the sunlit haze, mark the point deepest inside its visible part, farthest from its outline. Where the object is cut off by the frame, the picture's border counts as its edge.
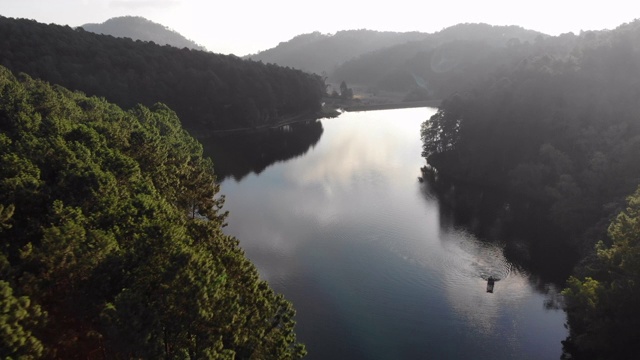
(246, 27)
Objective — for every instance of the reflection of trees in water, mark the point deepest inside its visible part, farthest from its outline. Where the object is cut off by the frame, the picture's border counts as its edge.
(531, 241)
(239, 154)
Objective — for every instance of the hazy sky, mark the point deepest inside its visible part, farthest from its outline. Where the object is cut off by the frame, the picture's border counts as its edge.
(247, 26)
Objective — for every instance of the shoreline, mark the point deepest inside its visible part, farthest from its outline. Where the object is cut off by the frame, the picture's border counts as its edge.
(395, 105)
(264, 127)
(325, 114)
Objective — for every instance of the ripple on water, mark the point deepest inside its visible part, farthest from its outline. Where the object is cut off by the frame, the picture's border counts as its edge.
(467, 257)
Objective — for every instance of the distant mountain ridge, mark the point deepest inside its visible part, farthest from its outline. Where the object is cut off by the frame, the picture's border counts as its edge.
(439, 63)
(400, 62)
(139, 28)
(318, 53)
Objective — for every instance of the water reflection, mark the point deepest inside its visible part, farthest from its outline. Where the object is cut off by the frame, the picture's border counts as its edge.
(373, 266)
(238, 154)
(524, 234)
(499, 239)
(366, 149)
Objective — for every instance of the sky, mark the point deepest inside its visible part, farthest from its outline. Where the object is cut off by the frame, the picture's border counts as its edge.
(243, 27)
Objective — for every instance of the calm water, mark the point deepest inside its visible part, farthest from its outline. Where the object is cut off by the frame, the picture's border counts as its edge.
(347, 232)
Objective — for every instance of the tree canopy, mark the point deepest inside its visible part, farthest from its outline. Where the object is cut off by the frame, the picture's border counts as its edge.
(602, 304)
(208, 91)
(558, 128)
(111, 242)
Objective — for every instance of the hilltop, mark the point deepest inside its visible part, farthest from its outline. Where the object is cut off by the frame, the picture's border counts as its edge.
(139, 28)
(321, 53)
(412, 66)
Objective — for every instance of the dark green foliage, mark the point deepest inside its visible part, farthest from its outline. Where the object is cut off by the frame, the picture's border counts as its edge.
(602, 309)
(208, 91)
(18, 319)
(111, 243)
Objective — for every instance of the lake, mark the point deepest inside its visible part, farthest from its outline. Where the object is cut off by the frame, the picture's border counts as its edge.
(373, 265)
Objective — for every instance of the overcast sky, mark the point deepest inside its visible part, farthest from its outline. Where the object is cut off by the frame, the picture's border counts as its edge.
(244, 27)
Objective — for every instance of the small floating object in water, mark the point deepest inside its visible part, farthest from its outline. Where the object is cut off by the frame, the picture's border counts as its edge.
(490, 282)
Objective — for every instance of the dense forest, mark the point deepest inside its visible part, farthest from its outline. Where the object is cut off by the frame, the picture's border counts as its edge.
(139, 28)
(111, 238)
(425, 65)
(439, 64)
(207, 91)
(556, 127)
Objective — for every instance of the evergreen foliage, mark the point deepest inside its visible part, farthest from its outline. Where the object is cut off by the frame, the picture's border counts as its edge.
(111, 238)
(602, 308)
(208, 91)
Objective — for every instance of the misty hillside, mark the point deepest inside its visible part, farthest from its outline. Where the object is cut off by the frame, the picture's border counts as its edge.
(554, 122)
(420, 65)
(438, 64)
(491, 34)
(139, 28)
(318, 53)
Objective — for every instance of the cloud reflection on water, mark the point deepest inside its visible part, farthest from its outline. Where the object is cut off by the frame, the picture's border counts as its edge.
(368, 150)
(344, 230)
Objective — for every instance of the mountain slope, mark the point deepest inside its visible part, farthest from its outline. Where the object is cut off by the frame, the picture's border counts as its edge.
(208, 91)
(439, 63)
(556, 123)
(139, 28)
(321, 53)
(425, 65)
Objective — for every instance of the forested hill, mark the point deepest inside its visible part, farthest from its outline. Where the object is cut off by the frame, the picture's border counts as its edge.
(428, 65)
(110, 225)
(322, 53)
(139, 28)
(557, 128)
(208, 91)
(439, 64)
